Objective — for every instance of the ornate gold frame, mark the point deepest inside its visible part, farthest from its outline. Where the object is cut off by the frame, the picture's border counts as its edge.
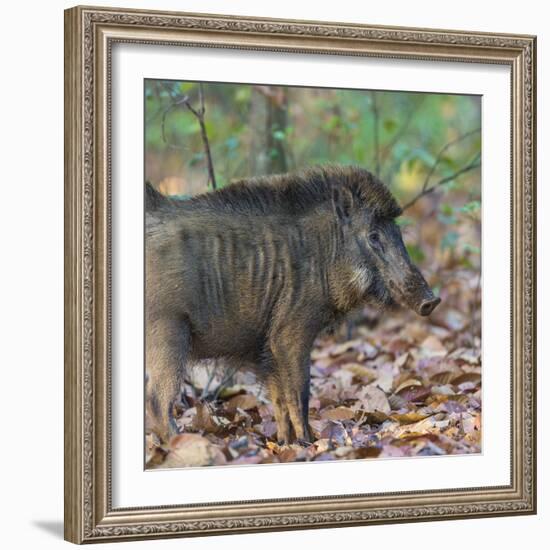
(89, 35)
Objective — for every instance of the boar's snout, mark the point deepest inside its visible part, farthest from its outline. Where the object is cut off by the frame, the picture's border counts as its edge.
(416, 293)
(427, 306)
(401, 277)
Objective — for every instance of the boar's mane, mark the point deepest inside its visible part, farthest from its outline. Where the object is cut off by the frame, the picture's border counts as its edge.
(297, 193)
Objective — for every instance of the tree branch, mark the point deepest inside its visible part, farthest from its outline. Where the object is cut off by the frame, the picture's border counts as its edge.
(376, 116)
(472, 165)
(443, 150)
(205, 142)
(199, 115)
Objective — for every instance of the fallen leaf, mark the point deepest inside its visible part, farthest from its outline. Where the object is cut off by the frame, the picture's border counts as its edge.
(415, 394)
(471, 423)
(409, 418)
(207, 420)
(402, 360)
(335, 433)
(471, 356)
(454, 320)
(385, 375)
(339, 349)
(367, 452)
(442, 390)
(367, 417)
(340, 413)
(245, 401)
(409, 383)
(443, 377)
(229, 391)
(192, 450)
(397, 402)
(362, 371)
(432, 347)
(343, 451)
(374, 399)
(472, 377)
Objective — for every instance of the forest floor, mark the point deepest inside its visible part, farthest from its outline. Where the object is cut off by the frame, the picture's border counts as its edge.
(387, 385)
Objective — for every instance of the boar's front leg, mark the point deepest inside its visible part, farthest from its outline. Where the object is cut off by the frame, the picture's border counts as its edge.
(282, 419)
(167, 345)
(288, 384)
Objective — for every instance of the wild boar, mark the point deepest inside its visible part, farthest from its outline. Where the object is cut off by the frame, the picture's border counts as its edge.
(253, 272)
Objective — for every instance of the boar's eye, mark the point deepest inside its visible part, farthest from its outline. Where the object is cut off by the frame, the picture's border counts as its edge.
(374, 239)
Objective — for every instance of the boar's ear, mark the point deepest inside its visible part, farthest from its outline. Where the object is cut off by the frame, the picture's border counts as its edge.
(342, 202)
(153, 199)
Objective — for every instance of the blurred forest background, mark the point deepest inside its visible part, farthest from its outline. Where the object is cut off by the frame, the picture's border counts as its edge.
(382, 385)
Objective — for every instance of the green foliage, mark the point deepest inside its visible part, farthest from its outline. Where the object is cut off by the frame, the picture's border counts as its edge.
(471, 207)
(449, 240)
(251, 128)
(446, 214)
(404, 221)
(416, 253)
(470, 248)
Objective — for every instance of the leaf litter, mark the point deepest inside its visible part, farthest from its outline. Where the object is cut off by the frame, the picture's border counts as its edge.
(400, 386)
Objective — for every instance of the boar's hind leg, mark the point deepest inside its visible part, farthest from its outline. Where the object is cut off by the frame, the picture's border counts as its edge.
(167, 343)
(290, 388)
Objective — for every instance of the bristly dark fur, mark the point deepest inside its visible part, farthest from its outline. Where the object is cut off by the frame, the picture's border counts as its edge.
(155, 200)
(297, 193)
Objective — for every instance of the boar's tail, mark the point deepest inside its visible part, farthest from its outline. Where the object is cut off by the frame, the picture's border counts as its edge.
(153, 199)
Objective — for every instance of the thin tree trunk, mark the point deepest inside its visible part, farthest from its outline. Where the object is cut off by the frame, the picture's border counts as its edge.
(276, 123)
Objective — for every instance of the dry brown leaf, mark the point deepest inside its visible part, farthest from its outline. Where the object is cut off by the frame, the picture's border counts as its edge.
(402, 361)
(192, 450)
(386, 373)
(454, 320)
(207, 421)
(442, 390)
(468, 355)
(290, 453)
(415, 331)
(339, 349)
(471, 422)
(267, 428)
(229, 391)
(443, 377)
(322, 445)
(425, 426)
(244, 401)
(371, 418)
(248, 459)
(374, 399)
(409, 383)
(472, 377)
(367, 452)
(341, 452)
(357, 369)
(410, 417)
(340, 413)
(431, 346)
(367, 351)
(397, 402)
(415, 394)
(335, 433)
(154, 453)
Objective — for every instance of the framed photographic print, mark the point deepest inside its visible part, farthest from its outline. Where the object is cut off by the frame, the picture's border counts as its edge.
(300, 274)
